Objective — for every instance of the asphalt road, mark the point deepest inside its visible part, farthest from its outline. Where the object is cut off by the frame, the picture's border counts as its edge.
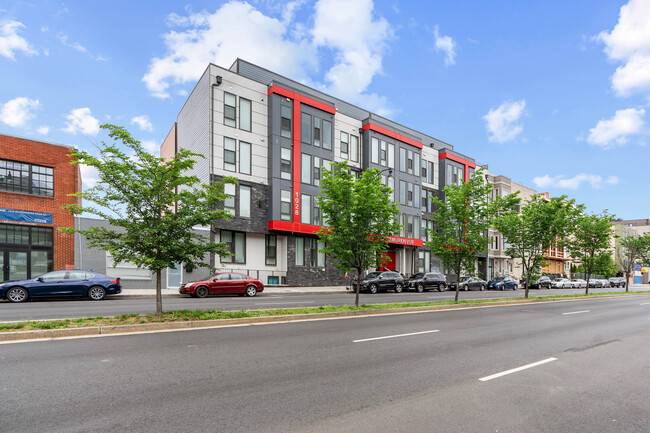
(116, 305)
(429, 372)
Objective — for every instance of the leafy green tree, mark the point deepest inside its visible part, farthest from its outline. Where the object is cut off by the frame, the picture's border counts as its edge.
(591, 237)
(152, 204)
(461, 222)
(530, 231)
(605, 265)
(633, 248)
(359, 216)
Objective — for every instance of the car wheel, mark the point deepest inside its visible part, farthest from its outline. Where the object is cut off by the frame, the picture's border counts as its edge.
(373, 289)
(515, 287)
(17, 294)
(398, 288)
(482, 287)
(201, 292)
(251, 291)
(97, 293)
(466, 288)
(442, 287)
(502, 288)
(419, 288)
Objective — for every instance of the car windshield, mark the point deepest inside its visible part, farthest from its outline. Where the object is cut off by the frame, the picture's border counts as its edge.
(373, 275)
(498, 279)
(558, 280)
(465, 279)
(417, 276)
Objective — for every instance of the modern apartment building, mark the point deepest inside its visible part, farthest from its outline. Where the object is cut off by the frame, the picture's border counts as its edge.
(35, 180)
(276, 136)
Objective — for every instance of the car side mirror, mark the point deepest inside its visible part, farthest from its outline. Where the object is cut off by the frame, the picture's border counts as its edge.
(40, 279)
(381, 277)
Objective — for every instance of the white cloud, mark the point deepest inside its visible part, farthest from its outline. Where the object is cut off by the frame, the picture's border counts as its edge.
(18, 111)
(615, 132)
(74, 45)
(143, 122)
(43, 130)
(629, 43)
(503, 123)
(81, 121)
(356, 40)
(151, 146)
(574, 183)
(447, 45)
(89, 175)
(236, 29)
(11, 42)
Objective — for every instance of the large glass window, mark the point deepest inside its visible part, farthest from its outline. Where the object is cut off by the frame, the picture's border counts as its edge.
(345, 145)
(317, 131)
(244, 158)
(374, 151)
(229, 154)
(285, 121)
(327, 134)
(305, 209)
(402, 159)
(285, 205)
(354, 148)
(26, 178)
(285, 163)
(271, 250)
(300, 251)
(305, 128)
(229, 109)
(245, 114)
(316, 173)
(236, 244)
(306, 169)
(244, 201)
(229, 202)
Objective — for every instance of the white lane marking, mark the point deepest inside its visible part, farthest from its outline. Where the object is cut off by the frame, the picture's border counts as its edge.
(514, 370)
(645, 303)
(576, 312)
(395, 336)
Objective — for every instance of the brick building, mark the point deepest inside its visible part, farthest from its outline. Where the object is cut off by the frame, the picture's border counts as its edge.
(35, 180)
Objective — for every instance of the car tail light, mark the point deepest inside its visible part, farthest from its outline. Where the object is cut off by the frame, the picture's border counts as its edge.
(116, 281)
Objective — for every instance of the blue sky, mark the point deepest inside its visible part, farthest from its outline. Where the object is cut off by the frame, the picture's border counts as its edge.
(553, 95)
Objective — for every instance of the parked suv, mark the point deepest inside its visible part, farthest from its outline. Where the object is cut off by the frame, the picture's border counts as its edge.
(617, 282)
(375, 282)
(542, 282)
(427, 281)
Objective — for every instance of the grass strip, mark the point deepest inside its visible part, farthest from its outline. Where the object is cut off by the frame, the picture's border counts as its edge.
(195, 315)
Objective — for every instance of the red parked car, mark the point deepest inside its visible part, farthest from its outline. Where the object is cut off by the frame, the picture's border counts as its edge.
(222, 284)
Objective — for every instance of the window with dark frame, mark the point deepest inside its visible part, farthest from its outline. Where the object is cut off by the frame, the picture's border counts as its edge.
(236, 244)
(285, 205)
(229, 154)
(317, 131)
(271, 250)
(327, 135)
(285, 163)
(344, 145)
(305, 128)
(245, 113)
(229, 109)
(26, 178)
(286, 114)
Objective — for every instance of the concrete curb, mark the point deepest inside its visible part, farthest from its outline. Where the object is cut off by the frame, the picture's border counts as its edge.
(52, 334)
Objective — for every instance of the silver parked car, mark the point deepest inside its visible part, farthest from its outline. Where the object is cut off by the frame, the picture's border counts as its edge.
(579, 283)
(561, 283)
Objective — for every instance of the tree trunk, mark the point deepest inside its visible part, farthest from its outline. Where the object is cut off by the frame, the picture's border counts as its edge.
(457, 284)
(627, 281)
(159, 293)
(587, 289)
(357, 288)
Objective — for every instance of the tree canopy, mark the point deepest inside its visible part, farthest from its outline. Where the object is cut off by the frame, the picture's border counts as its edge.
(152, 205)
(634, 248)
(358, 215)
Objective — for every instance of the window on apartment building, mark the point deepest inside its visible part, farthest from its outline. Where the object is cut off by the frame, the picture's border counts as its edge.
(416, 163)
(306, 169)
(409, 161)
(402, 160)
(409, 194)
(229, 109)
(229, 201)
(354, 148)
(305, 208)
(496, 242)
(285, 163)
(244, 157)
(391, 155)
(327, 135)
(391, 184)
(316, 256)
(374, 151)
(285, 121)
(236, 245)
(300, 251)
(305, 128)
(383, 153)
(317, 131)
(423, 174)
(285, 205)
(402, 192)
(345, 147)
(125, 270)
(244, 201)
(424, 261)
(245, 114)
(271, 250)
(229, 154)
(316, 172)
(316, 220)
(430, 178)
(26, 178)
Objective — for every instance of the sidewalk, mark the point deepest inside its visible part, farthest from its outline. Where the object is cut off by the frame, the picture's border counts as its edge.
(268, 290)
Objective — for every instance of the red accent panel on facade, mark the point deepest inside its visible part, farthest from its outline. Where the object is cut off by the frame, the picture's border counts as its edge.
(296, 162)
(287, 226)
(295, 227)
(303, 99)
(456, 159)
(392, 134)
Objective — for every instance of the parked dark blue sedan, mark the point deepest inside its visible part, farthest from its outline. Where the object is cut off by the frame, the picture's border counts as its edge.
(61, 283)
(502, 283)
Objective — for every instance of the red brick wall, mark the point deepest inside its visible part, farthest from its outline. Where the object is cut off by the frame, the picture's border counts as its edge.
(67, 180)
